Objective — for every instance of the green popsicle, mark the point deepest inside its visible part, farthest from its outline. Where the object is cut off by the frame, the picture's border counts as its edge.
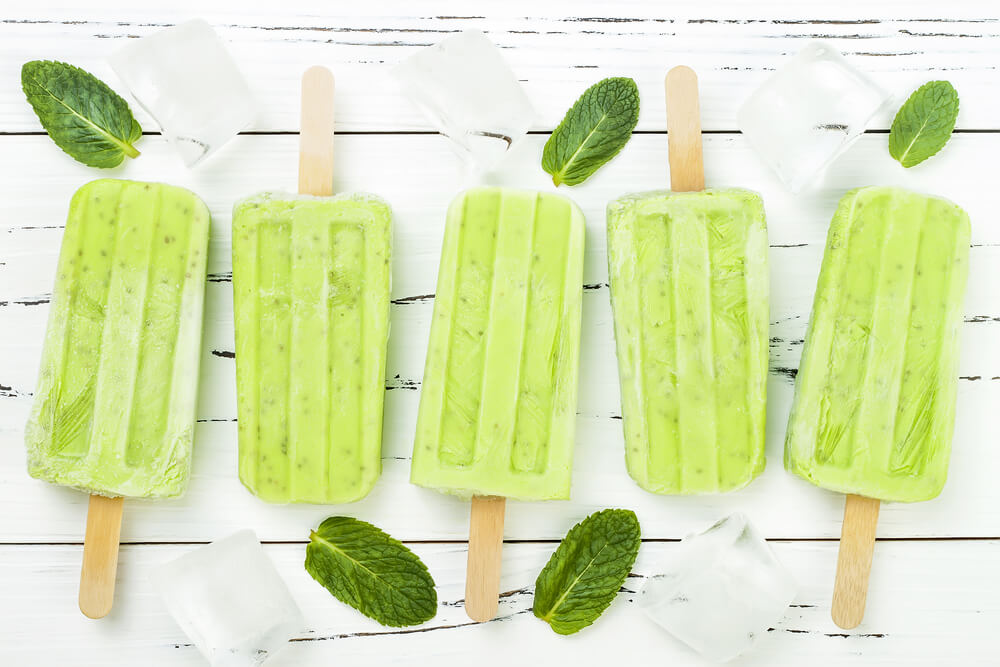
(689, 290)
(115, 406)
(311, 301)
(874, 405)
(498, 402)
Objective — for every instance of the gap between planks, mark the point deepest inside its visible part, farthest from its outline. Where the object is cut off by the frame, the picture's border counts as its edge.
(377, 133)
(645, 540)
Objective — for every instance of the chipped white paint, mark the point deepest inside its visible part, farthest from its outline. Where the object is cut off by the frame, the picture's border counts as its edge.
(783, 505)
(934, 600)
(919, 612)
(557, 48)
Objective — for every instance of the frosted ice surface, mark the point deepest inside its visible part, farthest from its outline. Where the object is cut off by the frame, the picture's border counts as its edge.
(230, 600)
(721, 590)
(808, 113)
(469, 93)
(185, 78)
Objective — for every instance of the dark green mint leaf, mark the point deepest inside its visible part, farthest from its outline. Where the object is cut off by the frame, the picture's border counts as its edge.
(924, 123)
(593, 131)
(367, 569)
(586, 572)
(88, 120)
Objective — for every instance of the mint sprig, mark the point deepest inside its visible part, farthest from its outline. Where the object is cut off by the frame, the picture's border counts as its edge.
(369, 570)
(924, 123)
(88, 120)
(594, 130)
(586, 572)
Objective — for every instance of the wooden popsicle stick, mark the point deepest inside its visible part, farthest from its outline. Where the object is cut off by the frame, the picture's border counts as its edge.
(100, 556)
(316, 133)
(482, 574)
(854, 561)
(687, 171)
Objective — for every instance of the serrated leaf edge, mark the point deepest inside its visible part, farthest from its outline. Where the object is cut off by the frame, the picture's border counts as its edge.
(315, 537)
(556, 175)
(901, 158)
(548, 618)
(126, 148)
(562, 172)
(562, 598)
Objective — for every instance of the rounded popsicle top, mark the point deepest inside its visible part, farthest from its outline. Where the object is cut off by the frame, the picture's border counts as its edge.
(874, 404)
(114, 409)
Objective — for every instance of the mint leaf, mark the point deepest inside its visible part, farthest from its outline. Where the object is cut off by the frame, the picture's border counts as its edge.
(88, 120)
(593, 131)
(924, 123)
(586, 572)
(369, 570)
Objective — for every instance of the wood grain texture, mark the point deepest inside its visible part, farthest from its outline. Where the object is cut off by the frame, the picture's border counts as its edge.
(854, 560)
(316, 134)
(482, 572)
(687, 169)
(556, 48)
(920, 613)
(934, 586)
(782, 506)
(100, 556)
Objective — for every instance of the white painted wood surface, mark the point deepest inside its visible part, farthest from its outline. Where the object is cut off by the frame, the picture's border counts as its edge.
(935, 595)
(933, 620)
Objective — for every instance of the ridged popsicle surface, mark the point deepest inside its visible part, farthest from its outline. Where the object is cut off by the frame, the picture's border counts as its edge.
(689, 290)
(498, 401)
(114, 410)
(311, 280)
(874, 405)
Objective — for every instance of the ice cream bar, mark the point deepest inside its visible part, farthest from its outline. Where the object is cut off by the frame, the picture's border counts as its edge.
(689, 290)
(311, 301)
(498, 402)
(114, 410)
(874, 403)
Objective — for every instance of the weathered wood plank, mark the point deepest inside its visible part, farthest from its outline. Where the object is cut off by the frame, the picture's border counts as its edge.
(786, 506)
(557, 50)
(930, 603)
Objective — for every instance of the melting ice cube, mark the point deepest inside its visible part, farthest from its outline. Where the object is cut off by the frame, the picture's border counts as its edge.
(469, 93)
(184, 77)
(809, 112)
(230, 600)
(721, 590)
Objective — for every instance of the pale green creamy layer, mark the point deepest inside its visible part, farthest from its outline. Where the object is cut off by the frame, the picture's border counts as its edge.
(115, 406)
(689, 290)
(874, 404)
(498, 402)
(311, 278)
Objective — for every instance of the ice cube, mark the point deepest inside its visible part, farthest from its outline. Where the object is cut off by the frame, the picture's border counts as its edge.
(184, 77)
(469, 93)
(721, 590)
(230, 600)
(809, 112)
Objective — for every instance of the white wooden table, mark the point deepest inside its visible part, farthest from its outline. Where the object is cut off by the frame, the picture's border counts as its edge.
(935, 592)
